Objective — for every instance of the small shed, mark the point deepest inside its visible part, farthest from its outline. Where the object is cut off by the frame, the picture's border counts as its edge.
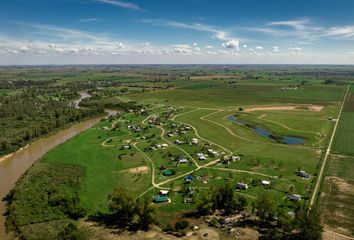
(168, 172)
(188, 178)
(241, 186)
(304, 174)
(294, 197)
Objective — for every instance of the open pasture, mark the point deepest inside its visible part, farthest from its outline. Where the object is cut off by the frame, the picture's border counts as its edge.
(219, 95)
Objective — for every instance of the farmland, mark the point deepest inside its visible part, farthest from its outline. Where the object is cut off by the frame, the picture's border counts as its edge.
(191, 135)
(338, 186)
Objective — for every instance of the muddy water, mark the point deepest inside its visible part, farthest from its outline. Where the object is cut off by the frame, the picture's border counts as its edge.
(13, 167)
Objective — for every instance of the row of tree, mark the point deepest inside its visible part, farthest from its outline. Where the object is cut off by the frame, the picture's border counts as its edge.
(223, 199)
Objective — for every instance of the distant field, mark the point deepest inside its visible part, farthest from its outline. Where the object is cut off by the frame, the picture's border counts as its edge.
(218, 95)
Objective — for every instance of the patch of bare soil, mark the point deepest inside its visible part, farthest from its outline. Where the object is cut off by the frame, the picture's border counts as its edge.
(141, 169)
(332, 234)
(335, 201)
(314, 108)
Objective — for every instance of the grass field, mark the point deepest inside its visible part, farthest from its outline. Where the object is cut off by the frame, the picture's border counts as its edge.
(111, 152)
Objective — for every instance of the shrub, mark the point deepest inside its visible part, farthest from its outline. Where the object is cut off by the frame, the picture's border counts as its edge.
(181, 225)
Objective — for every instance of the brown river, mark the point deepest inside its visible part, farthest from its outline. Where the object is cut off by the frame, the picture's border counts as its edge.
(15, 165)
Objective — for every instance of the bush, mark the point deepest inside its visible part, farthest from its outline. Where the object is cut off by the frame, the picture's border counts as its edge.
(181, 225)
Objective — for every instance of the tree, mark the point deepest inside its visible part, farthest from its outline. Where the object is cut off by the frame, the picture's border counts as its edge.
(223, 198)
(205, 203)
(308, 222)
(146, 213)
(264, 207)
(121, 207)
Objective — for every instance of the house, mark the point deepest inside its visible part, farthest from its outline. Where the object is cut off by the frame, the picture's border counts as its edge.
(188, 179)
(160, 199)
(304, 174)
(194, 141)
(241, 186)
(201, 156)
(168, 172)
(226, 161)
(170, 135)
(265, 183)
(127, 147)
(178, 142)
(212, 152)
(235, 158)
(190, 191)
(164, 192)
(182, 160)
(164, 145)
(294, 197)
(188, 128)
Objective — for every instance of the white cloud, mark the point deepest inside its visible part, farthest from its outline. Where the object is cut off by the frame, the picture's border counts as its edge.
(120, 46)
(245, 45)
(299, 24)
(219, 34)
(259, 48)
(295, 49)
(122, 4)
(234, 44)
(208, 47)
(275, 49)
(343, 31)
(85, 20)
(145, 44)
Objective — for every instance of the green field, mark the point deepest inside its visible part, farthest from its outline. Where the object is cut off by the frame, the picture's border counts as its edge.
(110, 153)
(338, 187)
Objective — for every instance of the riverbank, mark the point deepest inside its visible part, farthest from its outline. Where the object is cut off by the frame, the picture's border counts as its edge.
(17, 164)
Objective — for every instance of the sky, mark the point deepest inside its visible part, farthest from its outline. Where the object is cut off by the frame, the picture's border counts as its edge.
(176, 32)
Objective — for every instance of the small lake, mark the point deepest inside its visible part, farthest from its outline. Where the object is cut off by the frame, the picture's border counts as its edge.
(289, 140)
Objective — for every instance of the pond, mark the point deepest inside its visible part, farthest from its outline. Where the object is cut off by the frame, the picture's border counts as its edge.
(289, 140)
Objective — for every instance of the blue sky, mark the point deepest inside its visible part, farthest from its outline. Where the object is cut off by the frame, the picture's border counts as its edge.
(176, 31)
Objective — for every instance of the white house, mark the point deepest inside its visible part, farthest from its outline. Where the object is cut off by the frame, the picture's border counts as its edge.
(201, 156)
(182, 160)
(265, 183)
(194, 141)
(235, 158)
(164, 192)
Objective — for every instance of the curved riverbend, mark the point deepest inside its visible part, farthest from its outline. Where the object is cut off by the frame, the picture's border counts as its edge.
(14, 166)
